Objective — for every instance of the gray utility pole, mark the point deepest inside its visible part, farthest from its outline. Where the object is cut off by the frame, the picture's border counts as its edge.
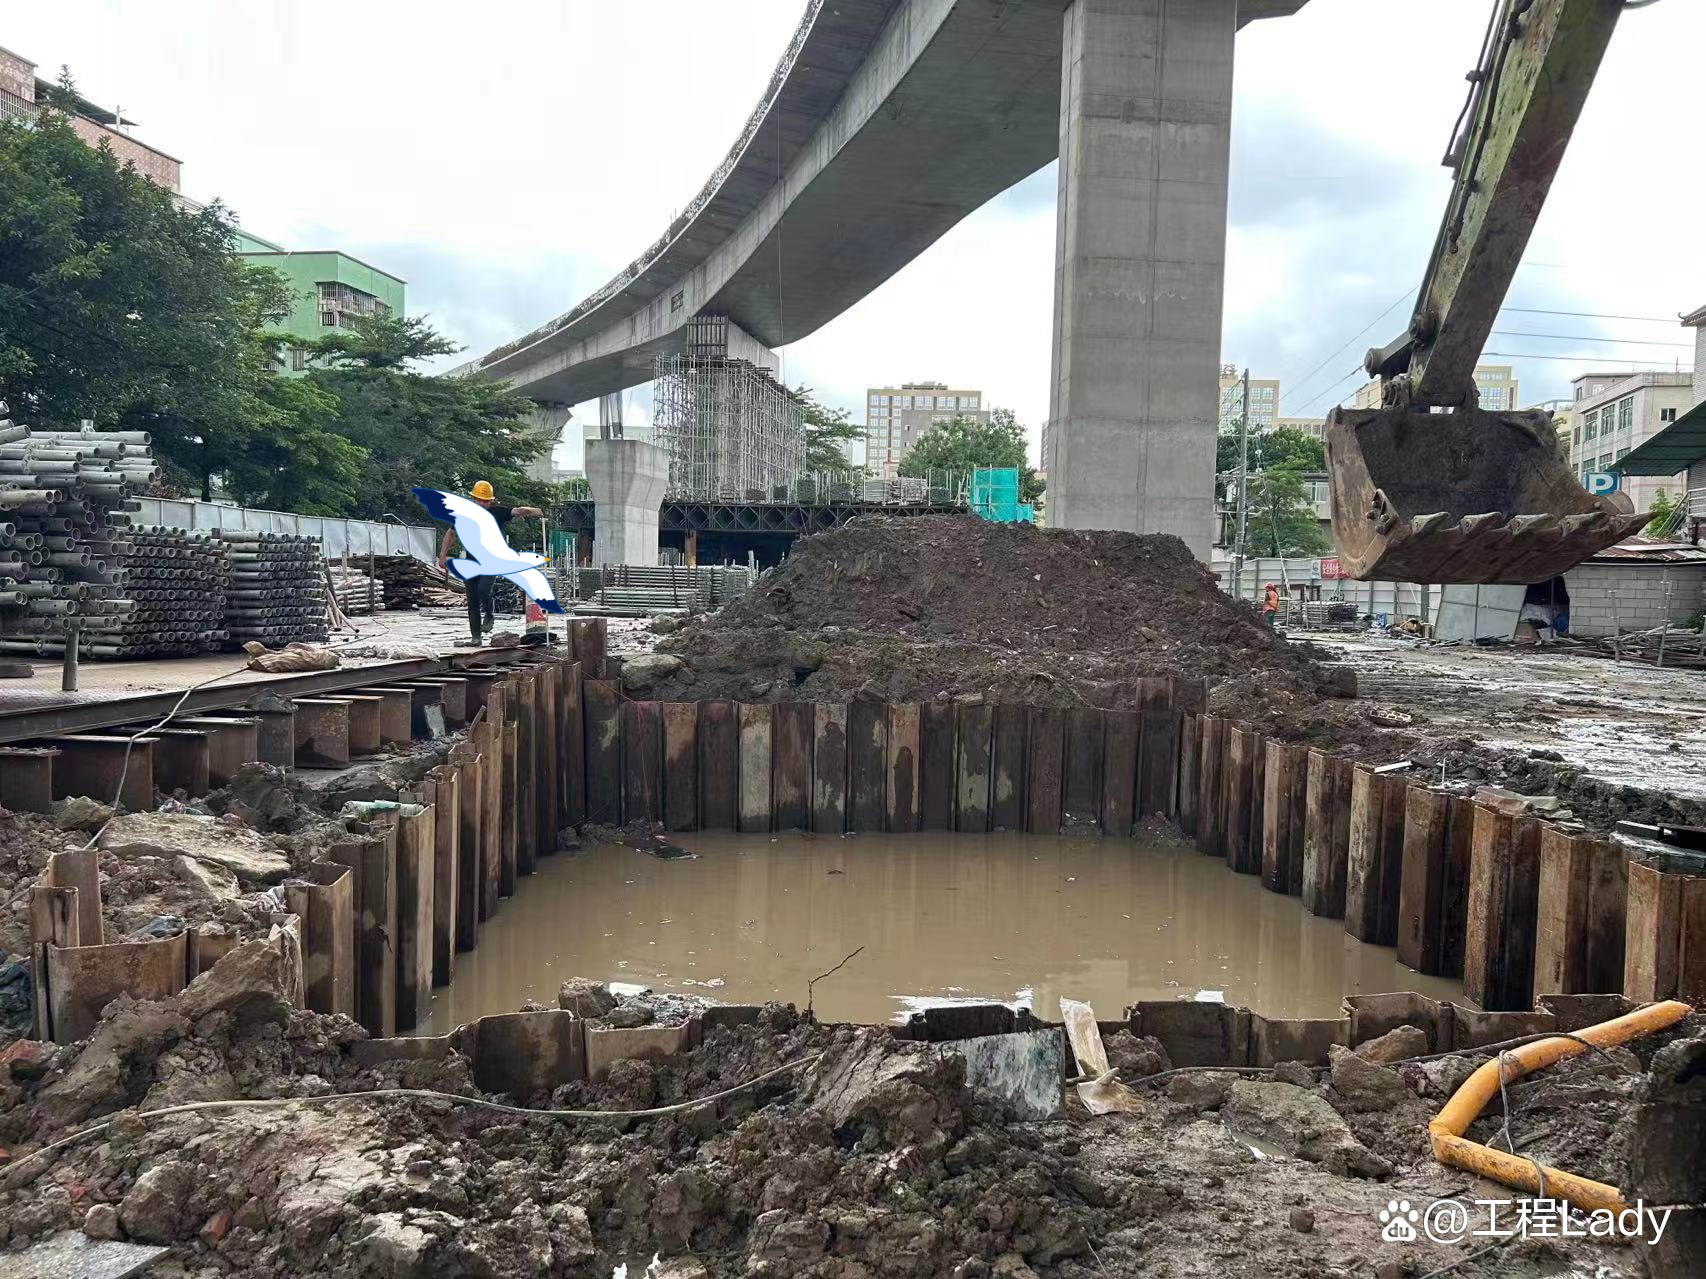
(1243, 492)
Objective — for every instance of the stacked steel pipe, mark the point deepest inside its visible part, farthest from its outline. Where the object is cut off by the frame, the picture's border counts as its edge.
(177, 583)
(410, 583)
(275, 590)
(64, 536)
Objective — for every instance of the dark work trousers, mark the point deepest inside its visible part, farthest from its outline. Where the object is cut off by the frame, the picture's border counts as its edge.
(479, 604)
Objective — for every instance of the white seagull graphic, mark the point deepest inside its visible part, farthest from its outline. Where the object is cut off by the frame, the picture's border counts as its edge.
(478, 532)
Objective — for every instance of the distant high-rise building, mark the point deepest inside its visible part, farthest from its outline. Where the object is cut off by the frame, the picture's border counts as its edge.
(1264, 400)
(1315, 427)
(1496, 384)
(897, 417)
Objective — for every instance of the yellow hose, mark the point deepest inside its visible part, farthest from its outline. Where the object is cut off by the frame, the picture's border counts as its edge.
(1446, 1129)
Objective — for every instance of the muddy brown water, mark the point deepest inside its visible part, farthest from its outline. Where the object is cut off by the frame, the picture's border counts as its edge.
(1015, 918)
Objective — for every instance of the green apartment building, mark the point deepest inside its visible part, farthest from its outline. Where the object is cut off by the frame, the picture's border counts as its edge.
(332, 289)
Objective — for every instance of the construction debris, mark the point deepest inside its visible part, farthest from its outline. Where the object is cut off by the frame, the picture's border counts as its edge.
(410, 583)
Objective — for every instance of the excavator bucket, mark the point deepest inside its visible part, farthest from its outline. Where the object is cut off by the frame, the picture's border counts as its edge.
(1468, 496)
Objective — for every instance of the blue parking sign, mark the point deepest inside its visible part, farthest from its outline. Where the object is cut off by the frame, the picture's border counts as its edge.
(1601, 483)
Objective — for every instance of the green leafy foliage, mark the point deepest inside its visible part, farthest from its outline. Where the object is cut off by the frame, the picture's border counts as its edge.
(1282, 517)
(826, 430)
(118, 307)
(960, 446)
(1285, 447)
(1663, 514)
(441, 432)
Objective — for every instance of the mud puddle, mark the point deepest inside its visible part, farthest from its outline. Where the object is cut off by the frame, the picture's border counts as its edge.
(1017, 918)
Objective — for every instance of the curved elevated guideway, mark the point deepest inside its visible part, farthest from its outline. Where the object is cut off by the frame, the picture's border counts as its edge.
(887, 122)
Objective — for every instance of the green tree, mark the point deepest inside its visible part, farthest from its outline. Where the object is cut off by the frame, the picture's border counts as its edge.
(442, 432)
(826, 430)
(960, 446)
(118, 307)
(1282, 519)
(1287, 447)
(1663, 512)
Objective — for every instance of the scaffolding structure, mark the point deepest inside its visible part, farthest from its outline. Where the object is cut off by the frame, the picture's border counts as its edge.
(731, 430)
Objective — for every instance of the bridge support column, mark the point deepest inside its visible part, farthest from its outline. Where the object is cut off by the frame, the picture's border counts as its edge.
(1145, 137)
(627, 479)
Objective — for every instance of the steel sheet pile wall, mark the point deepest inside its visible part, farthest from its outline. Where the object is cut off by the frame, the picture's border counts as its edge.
(1525, 911)
(64, 497)
(276, 591)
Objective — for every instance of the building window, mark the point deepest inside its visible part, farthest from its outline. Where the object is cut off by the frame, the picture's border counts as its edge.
(1667, 415)
(1621, 454)
(1626, 414)
(298, 359)
(1591, 423)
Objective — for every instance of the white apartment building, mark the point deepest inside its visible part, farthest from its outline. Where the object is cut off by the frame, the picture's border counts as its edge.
(897, 417)
(1615, 412)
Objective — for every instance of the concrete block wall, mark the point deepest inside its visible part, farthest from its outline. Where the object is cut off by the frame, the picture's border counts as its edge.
(1633, 596)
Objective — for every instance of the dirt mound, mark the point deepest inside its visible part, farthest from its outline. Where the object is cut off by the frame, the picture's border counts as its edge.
(949, 606)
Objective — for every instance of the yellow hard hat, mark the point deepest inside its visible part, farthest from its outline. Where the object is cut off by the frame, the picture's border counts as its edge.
(483, 490)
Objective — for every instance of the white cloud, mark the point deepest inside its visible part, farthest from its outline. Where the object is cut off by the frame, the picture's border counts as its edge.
(508, 158)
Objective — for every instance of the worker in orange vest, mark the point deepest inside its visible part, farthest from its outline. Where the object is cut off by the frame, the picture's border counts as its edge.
(1270, 604)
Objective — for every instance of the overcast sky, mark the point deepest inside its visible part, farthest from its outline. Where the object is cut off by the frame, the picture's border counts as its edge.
(508, 157)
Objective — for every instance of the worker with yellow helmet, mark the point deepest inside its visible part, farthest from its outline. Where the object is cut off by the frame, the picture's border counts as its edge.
(480, 588)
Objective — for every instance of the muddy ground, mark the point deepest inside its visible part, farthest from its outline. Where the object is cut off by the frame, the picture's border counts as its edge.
(873, 1159)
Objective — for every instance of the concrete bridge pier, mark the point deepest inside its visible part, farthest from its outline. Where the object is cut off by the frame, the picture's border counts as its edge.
(627, 479)
(1145, 139)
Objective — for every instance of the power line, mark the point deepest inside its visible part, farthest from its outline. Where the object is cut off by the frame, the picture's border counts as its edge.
(1575, 359)
(1592, 315)
(1583, 337)
(1356, 372)
(1348, 345)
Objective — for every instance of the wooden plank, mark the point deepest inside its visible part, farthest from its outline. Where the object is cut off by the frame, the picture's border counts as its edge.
(792, 762)
(642, 762)
(867, 766)
(905, 733)
(1283, 817)
(1007, 762)
(829, 769)
(936, 766)
(1326, 836)
(601, 714)
(574, 748)
(974, 757)
(1211, 747)
(681, 765)
(755, 751)
(719, 767)
(1081, 776)
(1504, 882)
(1160, 751)
(1047, 752)
(1190, 763)
(1121, 778)
(1422, 877)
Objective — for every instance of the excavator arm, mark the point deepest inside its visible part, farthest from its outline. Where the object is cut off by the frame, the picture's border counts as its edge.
(1429, 487)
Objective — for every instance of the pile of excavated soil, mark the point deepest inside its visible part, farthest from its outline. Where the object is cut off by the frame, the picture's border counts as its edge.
(898, 610)
(875, 1161)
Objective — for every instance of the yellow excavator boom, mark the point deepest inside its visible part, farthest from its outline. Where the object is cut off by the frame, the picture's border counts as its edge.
(1429, 487)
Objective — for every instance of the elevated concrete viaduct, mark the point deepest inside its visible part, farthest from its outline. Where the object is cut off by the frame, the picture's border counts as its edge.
(888, 121)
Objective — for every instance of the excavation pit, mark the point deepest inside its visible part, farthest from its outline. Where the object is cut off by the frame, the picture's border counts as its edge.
(943, 918)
